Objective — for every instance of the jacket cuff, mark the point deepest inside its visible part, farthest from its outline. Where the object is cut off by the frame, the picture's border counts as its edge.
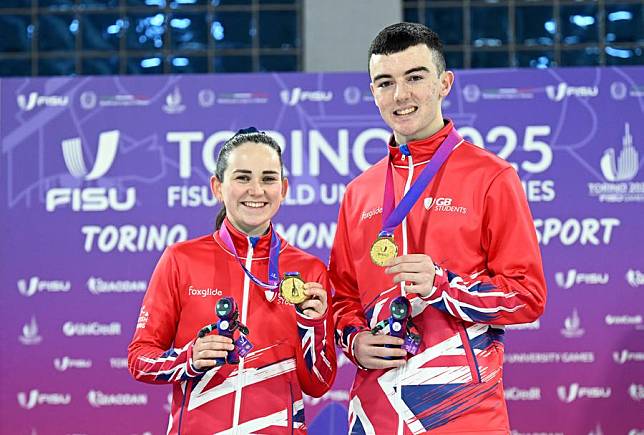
(351, 342)
(440, 279)
(191, 370)
(305, 320)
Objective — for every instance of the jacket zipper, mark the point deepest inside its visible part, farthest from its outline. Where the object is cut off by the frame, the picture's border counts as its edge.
(410, 175)
(470, 356)
(244, 315)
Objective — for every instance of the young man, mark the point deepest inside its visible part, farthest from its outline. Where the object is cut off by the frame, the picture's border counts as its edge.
(461, 247)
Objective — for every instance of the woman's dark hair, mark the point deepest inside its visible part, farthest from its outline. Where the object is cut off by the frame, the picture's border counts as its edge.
(245, 135)
(400, 36)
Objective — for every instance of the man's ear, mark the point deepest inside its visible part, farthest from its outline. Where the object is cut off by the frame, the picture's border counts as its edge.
(447, 80)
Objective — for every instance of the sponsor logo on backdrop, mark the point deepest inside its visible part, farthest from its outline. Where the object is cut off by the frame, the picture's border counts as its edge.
(576, 392)
(99, 286)
(36, 285)
(90, 99)
(627, 356)
(636, 432)
(243, 98)
(564, 90)
(98, 399)
(525, 326)
(549, 357)
(634, 278)
(619, 167)
(471, 93)
(619, 90)
(588, 231)
(65, 363)
(206, 98)
(515, 393)
(507, 94)
(572, 327)
(597, 430)
(203, 292)
(173, 104)
(636, 391)
(292, 97)
(573, 277)
(36, 398)
(624, 320)
(34, 99)
(353, 95)
(90, 198)
(118, 363)
(443, 204)
(144, 316)
(78, 329)
(30, 334)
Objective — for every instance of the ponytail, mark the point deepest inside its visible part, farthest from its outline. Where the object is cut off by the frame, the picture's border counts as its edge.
(219, 220)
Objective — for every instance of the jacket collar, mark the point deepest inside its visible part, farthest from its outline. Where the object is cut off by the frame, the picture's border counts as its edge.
(262, 244)
(421, 150)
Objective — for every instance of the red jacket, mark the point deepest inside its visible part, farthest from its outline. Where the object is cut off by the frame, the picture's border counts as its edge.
(292, 353)
(473, 221)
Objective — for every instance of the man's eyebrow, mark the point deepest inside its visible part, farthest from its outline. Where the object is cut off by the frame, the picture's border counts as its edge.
(409, 71)
(417, 69)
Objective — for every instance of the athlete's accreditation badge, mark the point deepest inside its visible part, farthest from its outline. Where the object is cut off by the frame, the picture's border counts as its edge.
(383, 250)
(292, 288)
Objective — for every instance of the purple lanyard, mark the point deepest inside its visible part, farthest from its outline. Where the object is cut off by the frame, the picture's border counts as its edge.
(392, 217)
(273, 256)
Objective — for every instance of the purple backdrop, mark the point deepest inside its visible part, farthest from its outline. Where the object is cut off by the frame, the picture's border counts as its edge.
(99, 174)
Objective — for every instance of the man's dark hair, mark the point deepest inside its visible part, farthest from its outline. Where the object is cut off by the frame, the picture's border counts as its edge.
(400, 36)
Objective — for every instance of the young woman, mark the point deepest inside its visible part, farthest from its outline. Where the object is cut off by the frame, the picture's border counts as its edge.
(177, 339)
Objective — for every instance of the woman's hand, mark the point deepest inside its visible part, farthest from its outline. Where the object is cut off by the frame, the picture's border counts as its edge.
(207, 348)
(316, 304)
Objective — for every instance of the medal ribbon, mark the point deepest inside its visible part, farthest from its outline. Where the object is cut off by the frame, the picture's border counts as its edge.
(392, 217)
(273, 256)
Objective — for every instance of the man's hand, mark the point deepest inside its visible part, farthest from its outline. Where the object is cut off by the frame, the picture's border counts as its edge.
(417, 269)
(369, 350)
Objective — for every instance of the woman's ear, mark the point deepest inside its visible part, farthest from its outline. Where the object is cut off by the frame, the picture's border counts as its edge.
(284, 187)
(215, 188)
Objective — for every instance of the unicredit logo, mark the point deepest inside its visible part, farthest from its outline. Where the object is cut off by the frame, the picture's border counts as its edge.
(98, 399)
(35, 398)
(71, 329)
(34, 100)
(105, 153)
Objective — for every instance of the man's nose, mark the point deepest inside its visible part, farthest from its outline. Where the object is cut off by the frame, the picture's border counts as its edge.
(402, 92)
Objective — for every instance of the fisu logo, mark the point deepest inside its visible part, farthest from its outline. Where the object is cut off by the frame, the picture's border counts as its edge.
(564, 90)
(35, 398)
(575, 391)
(37, 285)
(105, 154)
(567, 280)
(296, 95)
(36, 100)
(626, 165)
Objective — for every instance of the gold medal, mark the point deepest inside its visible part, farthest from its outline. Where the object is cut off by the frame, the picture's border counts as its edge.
(383, 250)
(292, 288)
